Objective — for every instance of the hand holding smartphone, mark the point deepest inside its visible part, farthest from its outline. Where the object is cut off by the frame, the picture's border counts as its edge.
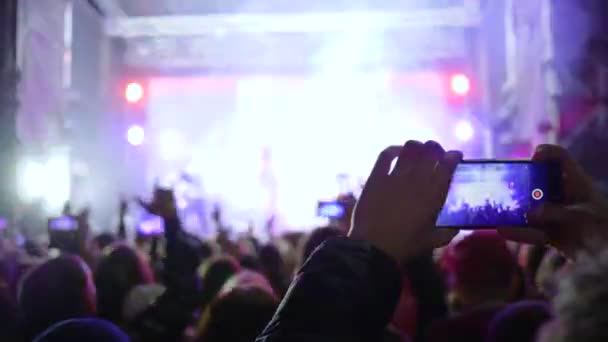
(63, 233)
(486, 194)
(63, 223)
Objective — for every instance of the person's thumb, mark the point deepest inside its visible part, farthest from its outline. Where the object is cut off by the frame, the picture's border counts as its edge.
(551, 214)
(442, 237)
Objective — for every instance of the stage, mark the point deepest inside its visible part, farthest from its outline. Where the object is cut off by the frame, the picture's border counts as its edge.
(274, 144)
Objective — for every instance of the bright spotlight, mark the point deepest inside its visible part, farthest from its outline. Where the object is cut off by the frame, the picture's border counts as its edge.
(32, 180)
(464, 131)
(460, 84)
(134, 92)
(47, 181)
(57, 189)
(171, 145)
(135, 135)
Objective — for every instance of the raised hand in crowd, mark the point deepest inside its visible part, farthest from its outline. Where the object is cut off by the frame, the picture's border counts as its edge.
(577, 224)
(172, 311)
(397, 210)
(122, 213)
(162, 203)
(349, 288)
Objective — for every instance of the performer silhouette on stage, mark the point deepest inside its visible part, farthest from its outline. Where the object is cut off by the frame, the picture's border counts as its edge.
(193, 203)
(268, 182)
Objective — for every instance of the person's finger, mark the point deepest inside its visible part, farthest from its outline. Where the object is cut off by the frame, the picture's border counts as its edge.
(408, 158)
(551, 214)
(435, 150)
(67, 209)
(556, 153)
(576, 182)
(144, 204)
(431, 154)
(381, 168)
(524, 235)
(442, 236)
(443, 174)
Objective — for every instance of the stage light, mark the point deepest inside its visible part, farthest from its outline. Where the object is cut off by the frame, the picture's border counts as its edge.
(135, 135)
(171, 145)
(47, 181)
(464, 131)
(57, 189)
(134, 92)
(31, 180)
(460, 84)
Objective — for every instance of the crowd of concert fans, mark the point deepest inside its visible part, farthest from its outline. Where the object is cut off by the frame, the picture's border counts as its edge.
(389, 275)
(486, 215)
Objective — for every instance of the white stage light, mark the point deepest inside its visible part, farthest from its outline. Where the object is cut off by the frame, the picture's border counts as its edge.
(31, 180)
(464, 131)
(49, 181)
(171, 145)
(135, 135)
(57, 189)
(460, 84)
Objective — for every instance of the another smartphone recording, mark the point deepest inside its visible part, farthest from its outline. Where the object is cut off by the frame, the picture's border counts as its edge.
(490, 194)
(64, 223)
(330, 209)
(151, 226)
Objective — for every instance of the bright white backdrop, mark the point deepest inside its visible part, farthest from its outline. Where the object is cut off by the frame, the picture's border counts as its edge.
(315, 126)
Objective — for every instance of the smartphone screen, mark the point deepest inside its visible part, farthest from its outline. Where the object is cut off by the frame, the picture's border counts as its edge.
(490, 194)
(3, 223)
(63, 223)
(330, 209)
(151, 226)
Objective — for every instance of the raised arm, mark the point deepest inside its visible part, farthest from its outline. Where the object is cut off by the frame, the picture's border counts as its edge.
(348, 289)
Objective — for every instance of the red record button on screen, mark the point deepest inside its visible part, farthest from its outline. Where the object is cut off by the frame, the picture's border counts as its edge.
(537, 194)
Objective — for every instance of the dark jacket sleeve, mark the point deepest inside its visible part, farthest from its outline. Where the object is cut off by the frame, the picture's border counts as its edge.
(346, 291)
(166, 319)
(427, 287)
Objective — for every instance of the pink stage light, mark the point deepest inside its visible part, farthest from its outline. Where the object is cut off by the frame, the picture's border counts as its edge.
(464, 131)
(134, 92)
(135, 135)
(460, 84)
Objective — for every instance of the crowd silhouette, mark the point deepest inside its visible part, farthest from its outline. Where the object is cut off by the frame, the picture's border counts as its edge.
(390, 276)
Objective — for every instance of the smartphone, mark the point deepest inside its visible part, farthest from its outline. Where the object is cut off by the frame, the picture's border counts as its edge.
(330, 209)
(63, 234)
(151, 226)
(63, 223)
(486, 194)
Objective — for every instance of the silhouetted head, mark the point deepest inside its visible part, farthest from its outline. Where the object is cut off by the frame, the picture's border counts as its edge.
(315, 239)
(103, 240)
(9, 320)
(57, 290)
(519, 322)
(219, 270)
(118, 273)
(238, 315)
(89, 330)
(480, 269)
(247, 278)
(273, 268)
(580, 305)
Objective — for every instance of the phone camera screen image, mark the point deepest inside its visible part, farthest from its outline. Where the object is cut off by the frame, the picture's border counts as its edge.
(151, 226)
(496, 194)
(330, 209)
(63, 223)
